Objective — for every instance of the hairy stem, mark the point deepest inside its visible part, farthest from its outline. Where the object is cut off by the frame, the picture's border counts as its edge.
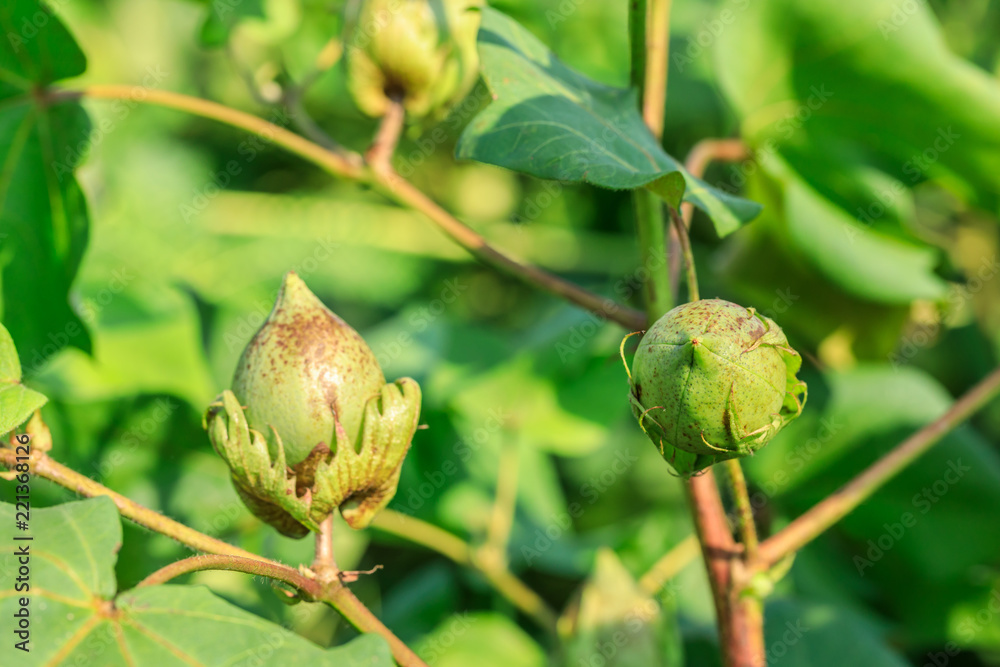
(334, 163)
(335, 594)
(253, 566)
(324, 563)
(685, 245)
(43, 466)
(354, 610)
(744, 511)
(835, 507)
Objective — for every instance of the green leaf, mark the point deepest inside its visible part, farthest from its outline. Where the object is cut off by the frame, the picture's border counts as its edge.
(43, 217)
(862, 260)
(75, 619)
(552, 122)
(10, 366)
(17, 402)
(844, 87)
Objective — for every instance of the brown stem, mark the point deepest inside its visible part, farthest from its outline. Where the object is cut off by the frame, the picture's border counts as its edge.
(741, 624)
(352, 167)
(324, 564)
(253, 566)
(336, 594)
(379, 155)
(399, 189)
(836, 506)
(350, 607)
(335, 163)
(43, 466)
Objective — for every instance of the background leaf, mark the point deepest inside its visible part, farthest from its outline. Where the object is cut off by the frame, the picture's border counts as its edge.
(43, 215)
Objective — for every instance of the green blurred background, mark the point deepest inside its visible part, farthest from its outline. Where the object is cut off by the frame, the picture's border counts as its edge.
(186, 253)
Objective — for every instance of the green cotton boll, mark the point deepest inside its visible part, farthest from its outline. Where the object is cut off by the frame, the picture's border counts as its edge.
(310, 424)
(712, 380)
(421, 50)
(304, 366)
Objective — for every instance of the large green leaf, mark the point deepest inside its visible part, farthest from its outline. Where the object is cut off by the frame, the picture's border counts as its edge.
(552, 122)
(75, 617)
(843, 88)
(864, 261)
(43, 216)
(17, 402)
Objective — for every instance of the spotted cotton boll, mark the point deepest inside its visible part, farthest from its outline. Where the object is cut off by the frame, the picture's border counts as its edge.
(712, 380)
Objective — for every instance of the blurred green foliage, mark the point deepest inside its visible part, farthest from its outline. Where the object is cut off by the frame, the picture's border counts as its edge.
(876, 252)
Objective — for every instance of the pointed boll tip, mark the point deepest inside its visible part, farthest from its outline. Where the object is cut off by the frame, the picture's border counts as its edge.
(294, 293)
